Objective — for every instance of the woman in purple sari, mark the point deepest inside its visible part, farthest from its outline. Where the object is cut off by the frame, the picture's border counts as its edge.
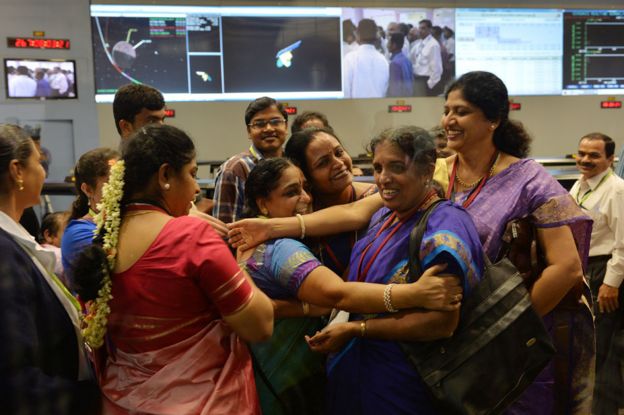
(492, 180)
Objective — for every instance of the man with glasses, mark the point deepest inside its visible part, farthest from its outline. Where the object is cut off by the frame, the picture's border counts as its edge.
(267, 126)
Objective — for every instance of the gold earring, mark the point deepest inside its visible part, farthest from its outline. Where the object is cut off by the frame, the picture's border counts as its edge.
(264, 212)
(493, 126)
(167, 186)
(20, 184)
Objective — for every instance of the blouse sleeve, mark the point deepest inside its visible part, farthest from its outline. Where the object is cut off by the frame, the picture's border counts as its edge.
(219, 275)
(291, 263)
(452, 239)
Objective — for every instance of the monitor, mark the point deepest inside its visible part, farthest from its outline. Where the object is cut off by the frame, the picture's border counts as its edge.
(40, 78)
(593, 53)
(197, 53)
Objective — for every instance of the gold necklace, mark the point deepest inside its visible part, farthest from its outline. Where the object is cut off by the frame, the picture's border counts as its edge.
(471, 185)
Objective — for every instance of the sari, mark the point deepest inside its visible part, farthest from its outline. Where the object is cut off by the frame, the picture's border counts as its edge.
(290, 377)
(169, 350)
(335, 250)
(525, 189)
(370, 376)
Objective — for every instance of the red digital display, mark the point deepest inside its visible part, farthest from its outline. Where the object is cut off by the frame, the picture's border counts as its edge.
(399, 108)
(169, 113)
(32, 43)
(291, 110)
(515, 106)
(610, 104)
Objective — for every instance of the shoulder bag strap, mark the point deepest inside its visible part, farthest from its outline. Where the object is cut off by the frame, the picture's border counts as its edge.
(415, 240)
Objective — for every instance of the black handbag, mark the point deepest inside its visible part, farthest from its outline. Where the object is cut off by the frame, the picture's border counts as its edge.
(498, 349)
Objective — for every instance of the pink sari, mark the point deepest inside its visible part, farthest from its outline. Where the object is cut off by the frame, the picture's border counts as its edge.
(170, 351)
(208, 373)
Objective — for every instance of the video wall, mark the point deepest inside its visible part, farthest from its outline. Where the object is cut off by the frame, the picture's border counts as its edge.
(194, 53)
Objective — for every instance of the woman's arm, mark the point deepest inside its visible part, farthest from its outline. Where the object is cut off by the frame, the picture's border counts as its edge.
(247, 233)
(324, 288)
(409, 325)
(294, 308)
(563, 268)
(254, 322)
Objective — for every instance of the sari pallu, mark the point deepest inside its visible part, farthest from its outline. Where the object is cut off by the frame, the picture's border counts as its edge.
(523, 190)
(207, 373)
(295, 373)
(370, 376)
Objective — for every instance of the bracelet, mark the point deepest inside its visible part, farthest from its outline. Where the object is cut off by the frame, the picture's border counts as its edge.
(306, 308)
(387, 297)
(301, 225)
(363, 328)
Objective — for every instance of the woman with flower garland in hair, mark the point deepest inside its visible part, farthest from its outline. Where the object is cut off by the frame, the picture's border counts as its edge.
(90, 173)
(167, 295)
(328, 169)
(43, 367)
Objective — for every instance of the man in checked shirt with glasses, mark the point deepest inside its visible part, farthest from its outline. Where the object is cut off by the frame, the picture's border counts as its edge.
(267, 127)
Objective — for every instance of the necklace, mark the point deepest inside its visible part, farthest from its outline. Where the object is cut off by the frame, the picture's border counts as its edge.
(476, 182)
(450, 192)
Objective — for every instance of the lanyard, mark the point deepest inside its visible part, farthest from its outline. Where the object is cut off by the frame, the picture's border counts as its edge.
(588, 193)
(352, 237)
(254, 153)
(361, 274)
(450, 192)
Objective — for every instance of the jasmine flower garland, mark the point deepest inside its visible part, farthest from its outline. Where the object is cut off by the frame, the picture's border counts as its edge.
(109, 218)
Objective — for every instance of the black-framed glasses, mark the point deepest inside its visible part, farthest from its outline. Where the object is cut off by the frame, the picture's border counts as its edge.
(274, 122)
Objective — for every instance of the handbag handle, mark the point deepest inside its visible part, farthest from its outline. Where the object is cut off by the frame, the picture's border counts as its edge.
(416, 236)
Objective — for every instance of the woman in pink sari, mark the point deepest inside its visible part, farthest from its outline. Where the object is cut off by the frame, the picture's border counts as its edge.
(180, 307)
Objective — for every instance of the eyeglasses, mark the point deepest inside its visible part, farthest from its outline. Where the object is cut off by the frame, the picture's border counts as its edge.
(274, 122)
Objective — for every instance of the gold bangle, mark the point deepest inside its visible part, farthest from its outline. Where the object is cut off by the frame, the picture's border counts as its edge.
(301, 225)
(306, 308)
(363, 328)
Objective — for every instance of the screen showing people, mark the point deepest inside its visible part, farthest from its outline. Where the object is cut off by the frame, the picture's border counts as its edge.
(197, 53)
(42, 79)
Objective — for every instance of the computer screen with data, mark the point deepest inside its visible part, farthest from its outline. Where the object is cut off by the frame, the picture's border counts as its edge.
(593, 54)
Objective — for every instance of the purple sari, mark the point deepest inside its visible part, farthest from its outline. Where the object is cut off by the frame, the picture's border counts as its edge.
(374, 376)
(525, 189)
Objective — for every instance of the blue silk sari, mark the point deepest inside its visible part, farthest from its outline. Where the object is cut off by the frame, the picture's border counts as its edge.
(374, 376)
(295, 373)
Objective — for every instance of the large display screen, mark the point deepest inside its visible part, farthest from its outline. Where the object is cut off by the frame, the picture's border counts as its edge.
(40, 78)
(194, 53)
(594, 52)
(207, 53)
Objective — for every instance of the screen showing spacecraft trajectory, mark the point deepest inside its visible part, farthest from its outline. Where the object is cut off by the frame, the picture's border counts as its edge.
(201, 53)
(208, 53)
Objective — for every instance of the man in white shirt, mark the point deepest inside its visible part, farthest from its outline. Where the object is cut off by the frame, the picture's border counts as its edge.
(366, 71)
(58, 83)
(22, 85)
(427, 61)
(600, 194)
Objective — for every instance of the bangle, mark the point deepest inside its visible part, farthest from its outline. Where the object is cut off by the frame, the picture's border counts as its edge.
(387, 298)
(306, 308)
(363, 328)
(301, 225)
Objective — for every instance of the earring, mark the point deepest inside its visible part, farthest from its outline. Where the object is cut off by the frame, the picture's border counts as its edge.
(20, 184)
(493, 126)
(264, 212)
(167, 186)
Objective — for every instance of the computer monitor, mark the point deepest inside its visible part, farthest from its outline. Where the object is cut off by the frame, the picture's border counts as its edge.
(40, 78)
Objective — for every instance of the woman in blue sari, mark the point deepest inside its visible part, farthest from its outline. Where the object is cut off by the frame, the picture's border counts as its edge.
(369, 373)
(289, 376)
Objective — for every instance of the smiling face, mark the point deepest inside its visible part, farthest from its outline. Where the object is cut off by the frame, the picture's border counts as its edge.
(289, 197)
(33, 176)
(591, 158)
(401, 184)
(183, 189)
(465, 124)
(329, 165)
(267, 131)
